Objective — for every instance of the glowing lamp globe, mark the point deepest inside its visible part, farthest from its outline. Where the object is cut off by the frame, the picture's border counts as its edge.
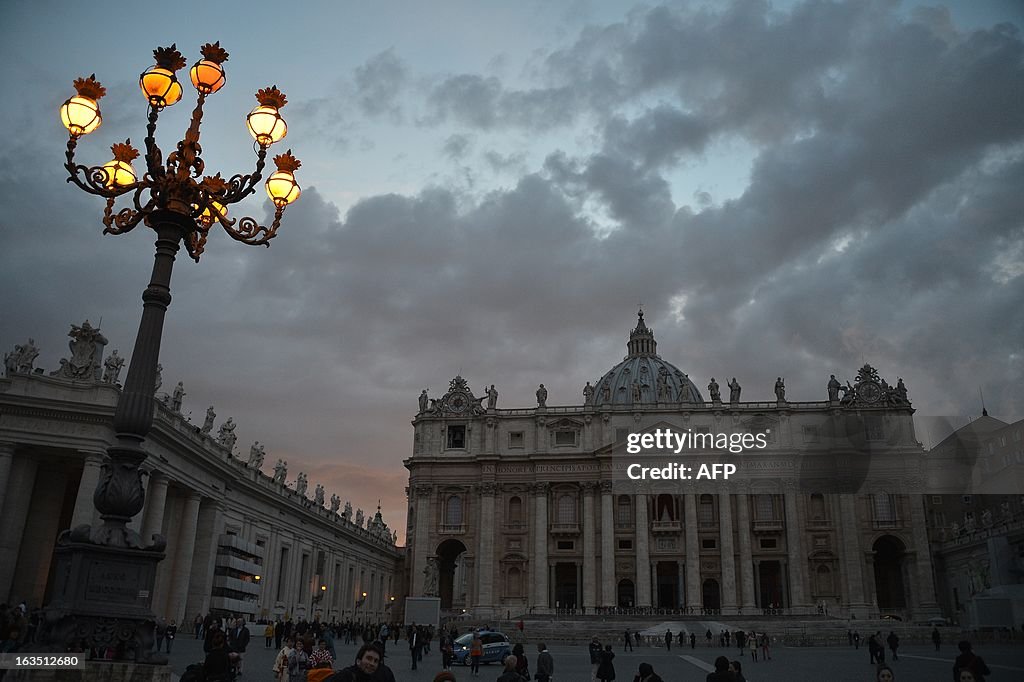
(207, 74)
(119, 174)
(266, 125)
(281, 186)
(80, 115)
(214, 211)
(160, 86)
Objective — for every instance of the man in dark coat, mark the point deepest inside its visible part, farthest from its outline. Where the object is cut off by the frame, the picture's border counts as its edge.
(238, 640)
(545, 664)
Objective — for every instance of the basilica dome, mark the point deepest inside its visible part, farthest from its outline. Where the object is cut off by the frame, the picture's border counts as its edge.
(643, 377)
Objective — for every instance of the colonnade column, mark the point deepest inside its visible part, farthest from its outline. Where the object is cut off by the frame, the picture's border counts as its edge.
(608, 597)
(13, 515)
(747, 597)
(540, 547)
(852, 559)
(795, 545)
(424, 522)
(208, 531)
(727, 554)
(694, 598)
(643, 553)
(154, 520)
(85, 509)
(589, 575)
(927, 603)
(6, 460)
(186, 545)
(485, 532)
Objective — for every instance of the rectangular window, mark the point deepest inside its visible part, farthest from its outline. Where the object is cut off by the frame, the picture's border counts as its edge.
(769, 543)
(565, 437)
(708, 543)
(566, 544)
(625, 544)
(937, 500)
(885, 508)
(456, 437)
(764, 508)
(515, 439)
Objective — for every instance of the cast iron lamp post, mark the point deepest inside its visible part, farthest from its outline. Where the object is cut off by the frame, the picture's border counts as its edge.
(105, 574)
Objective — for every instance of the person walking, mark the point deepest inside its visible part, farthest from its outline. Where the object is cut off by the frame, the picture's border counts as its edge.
(476, 652)
(238, 641)
(198, 625)
(766, 651)
(752, 645)
(708, 636)
(668, 640)
(268, 635)
(170, 634)
(545, 664)
(856, 640)
(415, 645)
(693, 640)
(522, 665)
(936, 638)
(629, 641)
(893, 641)
(595, 657)
(606, 669)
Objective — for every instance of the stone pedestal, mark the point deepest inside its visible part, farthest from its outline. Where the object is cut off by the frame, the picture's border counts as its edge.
(101, 598)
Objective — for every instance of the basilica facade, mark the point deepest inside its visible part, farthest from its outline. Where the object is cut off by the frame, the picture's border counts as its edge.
(239, 540)
(534, 510)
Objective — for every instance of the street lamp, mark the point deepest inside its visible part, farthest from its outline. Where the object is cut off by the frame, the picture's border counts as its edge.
(106, 573)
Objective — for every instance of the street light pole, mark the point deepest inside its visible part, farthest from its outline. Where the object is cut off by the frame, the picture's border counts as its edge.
(105, 574)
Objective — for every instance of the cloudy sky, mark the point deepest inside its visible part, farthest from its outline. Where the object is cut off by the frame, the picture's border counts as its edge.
(789, 188)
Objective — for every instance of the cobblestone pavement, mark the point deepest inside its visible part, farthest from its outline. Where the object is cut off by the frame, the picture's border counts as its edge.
(813, 664)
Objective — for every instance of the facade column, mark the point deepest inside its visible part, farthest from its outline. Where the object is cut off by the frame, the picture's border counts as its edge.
(608, 596)
(12, 519)
(727, 554)
(6, 460)
(589, 575)
(929, 607)
(747, 598)
(183, 560)
(209, 528)
(694, 598)
(424, 493)
(681, 592)
(40, 532)
(85, 512)
(485, 533)
(643, 552)
(540, 548)
(795, 545)
(157, 500)
(852, 556)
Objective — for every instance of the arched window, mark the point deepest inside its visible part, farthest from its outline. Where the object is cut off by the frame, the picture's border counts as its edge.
(884, 508)
(624, 512)
(453, 511)
(566, 509)
(666, 508)
(706, 511)
(764, 508)
(823, 580)
(817, 510)
(515, 582)
(515, 510)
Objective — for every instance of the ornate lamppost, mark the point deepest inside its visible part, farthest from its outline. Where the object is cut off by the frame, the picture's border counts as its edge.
(105, 574)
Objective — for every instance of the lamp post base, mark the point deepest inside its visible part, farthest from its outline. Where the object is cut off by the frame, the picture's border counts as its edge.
(101, 601)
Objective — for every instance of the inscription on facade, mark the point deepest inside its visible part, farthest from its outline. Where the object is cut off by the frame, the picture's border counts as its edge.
(113, 582)
(567, 468)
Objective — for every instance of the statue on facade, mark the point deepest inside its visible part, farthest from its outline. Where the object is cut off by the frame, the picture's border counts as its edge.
(780, 390)
(734, 390)
(256, 455)
(112, 367)
(492, 397)
(301, 483)
(542, 396)
(159, 381)
(280, 471)
(955, 529)
(318, 495)
(335, 503)
(86, 348)
(11, 360)
(347, 514)
(969, 522)
(901, 390)
(226, 434)
(986, 518)
(359, 517)
(430, 577)
(588, 394)
(606, 392)
(423, 401)
(684, 388)
(394, 538)
(715, 391)
(179, 394)
(208, 422)
(833, 388)
(661, 389)
(21, 359)
(637, 392)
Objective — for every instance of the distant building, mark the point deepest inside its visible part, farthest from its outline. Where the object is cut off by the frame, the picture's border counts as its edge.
(238, 542)
(530, 509)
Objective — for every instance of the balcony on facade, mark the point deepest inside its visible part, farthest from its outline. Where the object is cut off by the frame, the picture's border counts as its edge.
(564, 529)
(886, 524)
(666, 526)
(452, 529)
(819, 524)
(515, 527)
(767, 525)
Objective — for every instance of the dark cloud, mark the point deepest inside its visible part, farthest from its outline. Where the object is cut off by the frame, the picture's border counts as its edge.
(379, 82)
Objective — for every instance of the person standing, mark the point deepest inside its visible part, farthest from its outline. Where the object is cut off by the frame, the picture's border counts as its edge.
(280, 667)
(595, 657)
(893, 641)
(160, 632)
(936, 638)
(736, 668)
(268, 635)
(172, 631)
(709, 636)
(856, 640)
(198, 625)
(752, 645)
(298, 662)
(545, 664)
(628, 644)
(238, 641)
(969, 664)
(510, 674)
(646, 674)
(766, 651)
(606, 669)
(476, 652)
(415, 645)
(721, 673)
(522, 665)
(668, 640)
(693, 640)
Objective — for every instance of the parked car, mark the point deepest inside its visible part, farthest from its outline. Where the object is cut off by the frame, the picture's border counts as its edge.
(496, 647)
